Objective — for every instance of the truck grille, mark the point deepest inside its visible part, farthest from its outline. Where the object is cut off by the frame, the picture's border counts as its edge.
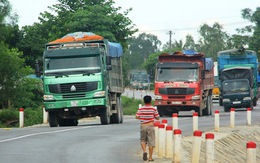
(176, 91)
(73, 87)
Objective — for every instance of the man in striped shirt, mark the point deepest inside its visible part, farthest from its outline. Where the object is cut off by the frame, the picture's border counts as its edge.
(146, 114)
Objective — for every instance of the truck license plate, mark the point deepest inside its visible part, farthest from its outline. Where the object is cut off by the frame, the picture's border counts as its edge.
(74, 103)
(176, 102)
(236, 102)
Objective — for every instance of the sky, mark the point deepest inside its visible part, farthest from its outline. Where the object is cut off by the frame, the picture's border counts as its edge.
(159, 17)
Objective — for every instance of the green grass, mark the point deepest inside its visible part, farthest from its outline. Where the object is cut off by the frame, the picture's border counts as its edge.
(131, 105)
(10, 117)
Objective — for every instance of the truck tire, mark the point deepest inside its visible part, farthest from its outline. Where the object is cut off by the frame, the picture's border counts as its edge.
(226, 109)
(121, 112)
(116, 117)
(200, 111)
(208, 109)
(104, 116)
(220, 101)
(160, 111)
(53, 119)
(255, 101)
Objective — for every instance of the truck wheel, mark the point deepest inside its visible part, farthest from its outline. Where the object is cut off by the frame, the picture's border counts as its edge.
(53, 119)
(121, 110)
(160, 111)
(116, 117)
(254, 101)
(220, 102)
(104, 116)
(199, 111)
(252, 106)
(208, 109)
(226, 109)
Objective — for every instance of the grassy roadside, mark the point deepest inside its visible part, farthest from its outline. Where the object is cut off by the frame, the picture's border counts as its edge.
(10, 117)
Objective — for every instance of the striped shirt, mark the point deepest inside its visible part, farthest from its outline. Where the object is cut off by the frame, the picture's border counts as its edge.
(147, 113)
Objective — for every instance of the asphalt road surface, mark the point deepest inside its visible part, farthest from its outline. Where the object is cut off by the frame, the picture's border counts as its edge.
(91, 142)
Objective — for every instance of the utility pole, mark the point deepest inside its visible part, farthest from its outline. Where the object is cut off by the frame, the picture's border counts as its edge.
(170, 41)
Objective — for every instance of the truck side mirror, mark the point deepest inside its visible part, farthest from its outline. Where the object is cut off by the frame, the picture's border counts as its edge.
(108, 62)
(37, 69)
(203, 74)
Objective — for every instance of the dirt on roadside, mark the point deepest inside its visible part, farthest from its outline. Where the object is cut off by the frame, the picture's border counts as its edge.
(229, 143)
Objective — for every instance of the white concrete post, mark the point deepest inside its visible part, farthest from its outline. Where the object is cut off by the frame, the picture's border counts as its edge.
(177, 150)
(251, 152)
(140, 105)
(232, 117)
(174, 121)
(195, 121)
(248, 117)
(216, 121)
(21, 117)
(196, 145)
(45, 115)
(164, 121)
(209, 155)
(156, 129)
(161, 145)
(169, 142)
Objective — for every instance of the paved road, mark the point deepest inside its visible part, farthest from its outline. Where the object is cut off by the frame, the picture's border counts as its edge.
(91, 142)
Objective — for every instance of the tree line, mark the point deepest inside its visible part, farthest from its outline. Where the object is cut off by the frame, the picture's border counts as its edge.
(20, 47)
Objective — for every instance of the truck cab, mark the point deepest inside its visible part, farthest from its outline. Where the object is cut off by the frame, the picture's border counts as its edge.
(183, 82)
(237, 94)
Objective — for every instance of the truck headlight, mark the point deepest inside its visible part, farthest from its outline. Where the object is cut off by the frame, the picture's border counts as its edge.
(48, 97)
(100, 94)
(226, 100)
(247, 98)
(197, 97)
(158, 97)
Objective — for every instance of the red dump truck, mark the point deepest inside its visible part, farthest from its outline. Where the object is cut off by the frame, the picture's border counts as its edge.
(184, 81)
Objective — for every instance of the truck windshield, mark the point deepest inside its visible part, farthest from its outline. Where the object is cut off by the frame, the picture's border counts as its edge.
(76, 65)
(140, 78)
(169, 74)
(235, 86)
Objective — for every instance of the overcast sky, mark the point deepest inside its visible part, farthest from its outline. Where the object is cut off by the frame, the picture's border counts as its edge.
(158, 17)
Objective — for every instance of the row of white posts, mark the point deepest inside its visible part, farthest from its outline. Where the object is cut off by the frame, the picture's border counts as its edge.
(168, 139)
(21, 117)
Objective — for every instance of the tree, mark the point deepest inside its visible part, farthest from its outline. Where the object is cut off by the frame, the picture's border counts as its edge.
(189, 43)
(67, 16)
(254, 17)
(212, 40)
(9, 31)
(13, 71)
(140, 48)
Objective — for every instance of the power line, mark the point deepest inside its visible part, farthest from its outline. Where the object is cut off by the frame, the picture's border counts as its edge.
(191, 28)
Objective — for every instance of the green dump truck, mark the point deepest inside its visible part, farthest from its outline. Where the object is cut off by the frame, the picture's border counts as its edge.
(82, 77)
(139, 79)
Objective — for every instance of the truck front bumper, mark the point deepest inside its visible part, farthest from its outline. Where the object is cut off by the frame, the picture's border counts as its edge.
(51, 105)
(237, 104)
(176, 103)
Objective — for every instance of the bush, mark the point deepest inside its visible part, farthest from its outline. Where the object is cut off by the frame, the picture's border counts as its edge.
(10, 117)
(131, 105)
